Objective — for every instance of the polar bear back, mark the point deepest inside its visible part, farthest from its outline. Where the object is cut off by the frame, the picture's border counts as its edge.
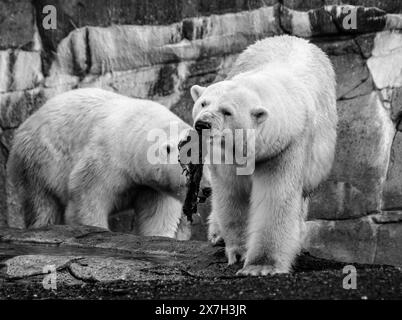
(55, 137)
(298, 54)
(85, 111)
(82, 109)
(302, 59)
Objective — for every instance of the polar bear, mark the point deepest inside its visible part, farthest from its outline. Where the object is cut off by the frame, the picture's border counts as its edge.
(84, 155)
(282, 89)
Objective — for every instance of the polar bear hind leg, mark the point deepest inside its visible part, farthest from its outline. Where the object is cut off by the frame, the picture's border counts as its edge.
(40, 207)
(48, 209)
(35, 200)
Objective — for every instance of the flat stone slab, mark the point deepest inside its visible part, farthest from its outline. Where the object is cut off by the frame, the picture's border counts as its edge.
(93, 254)
(92, 263)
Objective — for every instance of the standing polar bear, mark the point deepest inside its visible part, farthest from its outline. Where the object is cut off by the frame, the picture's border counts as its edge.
(283, 89)
(85, 154)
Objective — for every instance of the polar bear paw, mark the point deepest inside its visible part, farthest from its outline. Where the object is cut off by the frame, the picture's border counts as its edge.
(216, 240)
(235, 254)
(259, 270)
(214, 235)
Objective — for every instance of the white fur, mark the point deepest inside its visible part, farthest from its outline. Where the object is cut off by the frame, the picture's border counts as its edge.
(261, 216)
(83, 155)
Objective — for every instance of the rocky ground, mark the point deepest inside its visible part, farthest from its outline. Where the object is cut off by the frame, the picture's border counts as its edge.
(92, 263)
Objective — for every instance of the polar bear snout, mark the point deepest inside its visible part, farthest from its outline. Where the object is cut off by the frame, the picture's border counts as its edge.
(208, 120)
(202, 124)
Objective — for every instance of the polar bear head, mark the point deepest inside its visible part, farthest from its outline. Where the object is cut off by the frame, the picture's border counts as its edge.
(227, 105)
(232, 116)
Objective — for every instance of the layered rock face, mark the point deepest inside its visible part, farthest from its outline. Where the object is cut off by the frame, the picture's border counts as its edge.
(154, 50)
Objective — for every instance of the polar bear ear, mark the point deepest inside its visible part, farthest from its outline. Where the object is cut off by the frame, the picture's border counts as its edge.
(196, 91)
(259, 114)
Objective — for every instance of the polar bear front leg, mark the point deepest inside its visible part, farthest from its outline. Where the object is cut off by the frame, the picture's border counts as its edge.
(90, 206)
(214, 231)
(274, 229)
(230, 209)
(156, 213)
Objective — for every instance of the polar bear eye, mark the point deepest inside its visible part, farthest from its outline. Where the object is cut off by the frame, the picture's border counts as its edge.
(259, 114)
(226, 113)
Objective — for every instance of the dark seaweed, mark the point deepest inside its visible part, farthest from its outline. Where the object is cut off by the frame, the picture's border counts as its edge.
(193, 172)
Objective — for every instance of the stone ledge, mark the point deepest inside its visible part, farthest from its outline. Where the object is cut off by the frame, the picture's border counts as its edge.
(213, 22)
(92, 50)
(87, 255)
(334, 19)
(104, 13)
(92, 263)
(373, 239)
(390, 6)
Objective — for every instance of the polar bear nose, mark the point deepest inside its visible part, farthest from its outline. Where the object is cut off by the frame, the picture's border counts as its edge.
(201, 125)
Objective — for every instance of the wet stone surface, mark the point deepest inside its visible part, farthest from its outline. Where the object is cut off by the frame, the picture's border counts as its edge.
(92, 263)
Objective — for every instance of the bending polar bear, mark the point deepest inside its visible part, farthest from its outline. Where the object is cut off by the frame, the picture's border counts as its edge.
(283, 88)
(83, 155)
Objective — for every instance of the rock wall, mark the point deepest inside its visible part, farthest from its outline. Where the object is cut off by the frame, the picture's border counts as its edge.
(149, 49)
